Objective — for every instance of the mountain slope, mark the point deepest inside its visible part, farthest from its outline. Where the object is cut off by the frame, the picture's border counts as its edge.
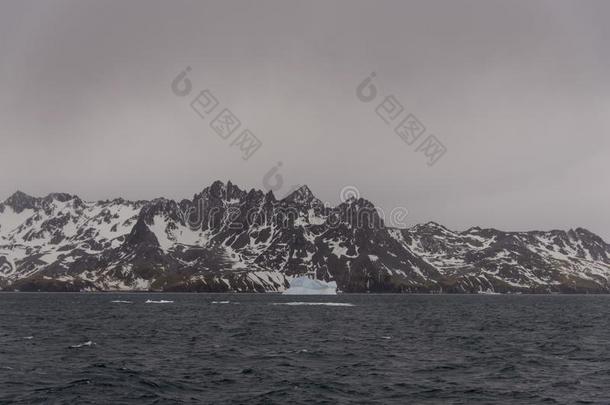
(228, 239)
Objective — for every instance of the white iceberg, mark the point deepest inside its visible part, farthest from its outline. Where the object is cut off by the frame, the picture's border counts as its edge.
(311, 286)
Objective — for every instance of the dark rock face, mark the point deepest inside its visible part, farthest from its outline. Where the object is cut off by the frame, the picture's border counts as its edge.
(228, 239)
(21, 201)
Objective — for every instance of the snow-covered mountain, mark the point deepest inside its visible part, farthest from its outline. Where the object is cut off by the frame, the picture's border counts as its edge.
(228, 239)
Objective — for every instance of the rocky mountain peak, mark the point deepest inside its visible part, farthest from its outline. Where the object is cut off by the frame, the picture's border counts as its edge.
(218, 190)
(432, 227)
(270, 197)
(20, 201)
(302, 195)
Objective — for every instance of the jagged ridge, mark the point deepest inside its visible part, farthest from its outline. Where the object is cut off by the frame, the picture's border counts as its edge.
(229, 239)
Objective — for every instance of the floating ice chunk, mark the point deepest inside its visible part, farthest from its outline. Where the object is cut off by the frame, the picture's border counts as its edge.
(87, 343)
(309, 286)
(330, 304)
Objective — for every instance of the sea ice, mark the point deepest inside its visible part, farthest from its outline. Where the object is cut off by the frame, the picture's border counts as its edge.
(309, 286)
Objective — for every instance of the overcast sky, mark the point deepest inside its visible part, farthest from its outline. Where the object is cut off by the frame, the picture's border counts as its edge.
(517, 91)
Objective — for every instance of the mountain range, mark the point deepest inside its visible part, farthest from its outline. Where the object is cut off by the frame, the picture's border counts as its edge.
(226, 239)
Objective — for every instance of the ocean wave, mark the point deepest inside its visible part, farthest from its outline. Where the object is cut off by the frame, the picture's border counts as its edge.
(330, 304)
(87, 343)
(121, 302)
(221, 302)
(159, 302)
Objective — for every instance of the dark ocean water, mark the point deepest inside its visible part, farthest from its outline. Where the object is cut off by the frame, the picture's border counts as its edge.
(383, 349)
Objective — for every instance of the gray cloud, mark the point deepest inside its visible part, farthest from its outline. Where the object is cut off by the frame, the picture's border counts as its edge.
(517, 91)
